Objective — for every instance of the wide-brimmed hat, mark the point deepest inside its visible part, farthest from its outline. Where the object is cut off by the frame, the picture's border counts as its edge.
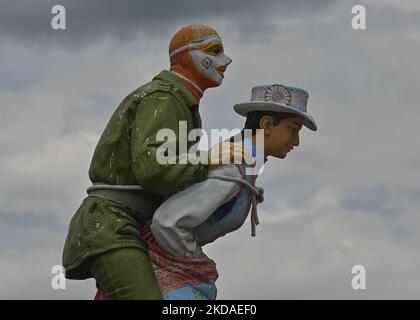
(278, 98)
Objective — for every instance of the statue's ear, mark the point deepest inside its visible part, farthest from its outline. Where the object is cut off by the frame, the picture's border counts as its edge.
(266, 122)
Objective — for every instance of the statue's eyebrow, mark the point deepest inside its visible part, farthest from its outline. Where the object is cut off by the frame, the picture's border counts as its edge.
(297, 123)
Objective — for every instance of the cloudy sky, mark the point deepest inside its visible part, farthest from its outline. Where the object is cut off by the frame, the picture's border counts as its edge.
(349, 195)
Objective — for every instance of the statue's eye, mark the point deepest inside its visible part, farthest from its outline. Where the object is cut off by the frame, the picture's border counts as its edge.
(215, 49)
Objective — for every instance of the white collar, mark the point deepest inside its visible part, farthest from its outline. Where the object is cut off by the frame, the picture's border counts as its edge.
(189, 81)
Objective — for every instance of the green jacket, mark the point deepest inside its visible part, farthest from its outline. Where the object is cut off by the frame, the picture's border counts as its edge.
(126, 155)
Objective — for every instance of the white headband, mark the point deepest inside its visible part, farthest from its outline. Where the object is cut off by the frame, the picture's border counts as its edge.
(196, 44)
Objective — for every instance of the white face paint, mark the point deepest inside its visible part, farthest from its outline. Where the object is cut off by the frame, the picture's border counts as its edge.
(209, 64)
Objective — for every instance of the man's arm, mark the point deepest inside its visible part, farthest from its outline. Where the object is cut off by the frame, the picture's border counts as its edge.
(157, 111)
(174, 221)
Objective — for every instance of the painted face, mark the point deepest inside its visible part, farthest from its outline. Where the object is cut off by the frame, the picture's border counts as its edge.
(211, 63)
(203, 61)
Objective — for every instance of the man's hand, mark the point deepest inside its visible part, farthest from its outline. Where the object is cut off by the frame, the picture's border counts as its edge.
(228, 152)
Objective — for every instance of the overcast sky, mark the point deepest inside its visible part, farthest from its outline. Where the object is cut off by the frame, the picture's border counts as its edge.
(348, 195)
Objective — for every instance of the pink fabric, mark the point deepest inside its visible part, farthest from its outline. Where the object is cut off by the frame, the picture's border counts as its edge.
(100, 295)
(173, 272)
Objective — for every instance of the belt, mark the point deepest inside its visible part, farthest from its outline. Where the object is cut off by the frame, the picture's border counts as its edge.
(124, 196)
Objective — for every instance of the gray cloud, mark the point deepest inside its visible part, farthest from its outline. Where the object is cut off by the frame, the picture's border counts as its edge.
(29, 20)
(310, 249)
(348, 195)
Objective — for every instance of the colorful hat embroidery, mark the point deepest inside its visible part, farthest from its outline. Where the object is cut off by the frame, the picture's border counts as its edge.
(277, 93)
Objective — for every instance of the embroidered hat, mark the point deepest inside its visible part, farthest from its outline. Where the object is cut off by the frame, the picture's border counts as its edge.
(278, 98)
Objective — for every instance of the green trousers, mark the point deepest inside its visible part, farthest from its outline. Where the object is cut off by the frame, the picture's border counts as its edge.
(125, 273)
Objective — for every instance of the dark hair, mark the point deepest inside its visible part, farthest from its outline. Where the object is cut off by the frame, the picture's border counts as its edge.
(253, 118)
